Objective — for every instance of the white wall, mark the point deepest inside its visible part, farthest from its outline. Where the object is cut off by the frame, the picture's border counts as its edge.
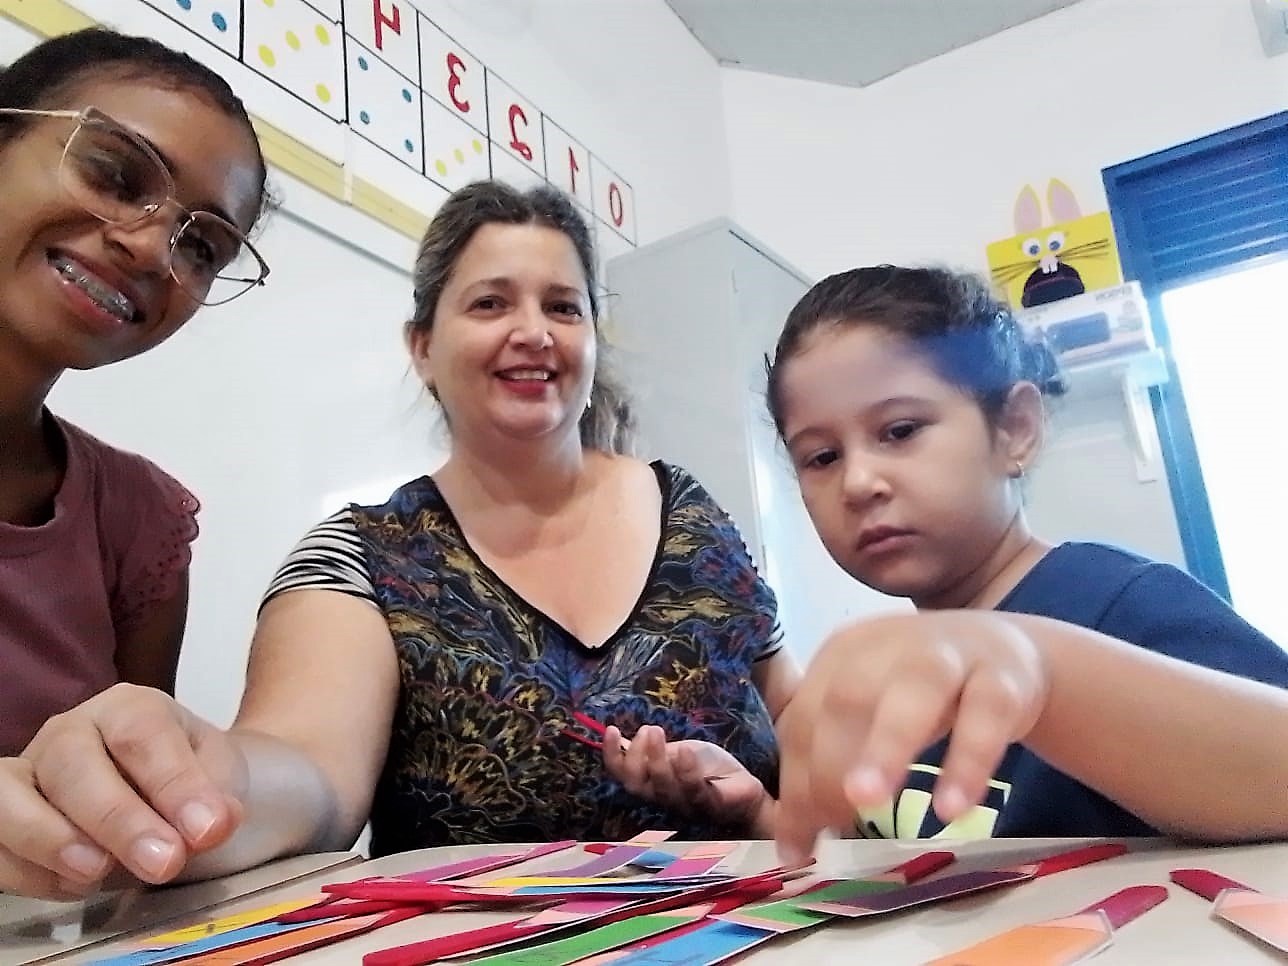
(273, 407)
(925, 166)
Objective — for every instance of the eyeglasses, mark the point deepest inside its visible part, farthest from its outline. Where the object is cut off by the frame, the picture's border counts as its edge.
(117, 177)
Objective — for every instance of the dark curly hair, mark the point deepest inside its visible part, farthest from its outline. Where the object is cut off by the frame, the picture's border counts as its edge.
(45, 75)
(969, 336)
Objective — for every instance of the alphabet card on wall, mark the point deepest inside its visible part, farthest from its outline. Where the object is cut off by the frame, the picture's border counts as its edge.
(1055, 257)
(387, 78)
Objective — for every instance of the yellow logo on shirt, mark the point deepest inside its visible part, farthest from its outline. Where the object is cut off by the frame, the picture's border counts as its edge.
(910, 815)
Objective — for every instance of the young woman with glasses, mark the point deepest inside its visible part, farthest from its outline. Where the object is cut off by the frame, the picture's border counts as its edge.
(131, 177)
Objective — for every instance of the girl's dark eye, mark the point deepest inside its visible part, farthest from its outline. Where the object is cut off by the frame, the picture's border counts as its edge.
(901, 431)
(819, 460)
(487, 303)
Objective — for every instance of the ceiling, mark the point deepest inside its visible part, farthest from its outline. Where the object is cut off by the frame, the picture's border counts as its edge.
(851, 42)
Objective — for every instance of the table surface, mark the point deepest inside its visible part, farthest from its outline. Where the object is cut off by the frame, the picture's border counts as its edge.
(1181, 930)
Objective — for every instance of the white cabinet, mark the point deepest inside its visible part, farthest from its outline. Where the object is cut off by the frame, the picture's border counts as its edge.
(692, 318)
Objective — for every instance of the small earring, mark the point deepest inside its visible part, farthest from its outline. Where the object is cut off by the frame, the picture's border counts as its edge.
(1018, 472)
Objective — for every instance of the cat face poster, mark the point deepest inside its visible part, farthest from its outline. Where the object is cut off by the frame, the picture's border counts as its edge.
(1056, 254)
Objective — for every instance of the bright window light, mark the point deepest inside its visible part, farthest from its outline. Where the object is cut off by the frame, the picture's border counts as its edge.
(1230, 339)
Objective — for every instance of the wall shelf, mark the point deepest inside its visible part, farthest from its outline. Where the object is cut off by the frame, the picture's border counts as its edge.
(1130, 377)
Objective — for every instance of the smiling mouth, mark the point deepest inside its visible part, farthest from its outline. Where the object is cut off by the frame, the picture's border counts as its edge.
(526, 375)
(107, 297)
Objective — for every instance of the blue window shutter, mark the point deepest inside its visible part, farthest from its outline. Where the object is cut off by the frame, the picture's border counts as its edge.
(1206, 206)
(1190, 212)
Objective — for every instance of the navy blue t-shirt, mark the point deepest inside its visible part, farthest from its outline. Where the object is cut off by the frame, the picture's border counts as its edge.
(1152, 605)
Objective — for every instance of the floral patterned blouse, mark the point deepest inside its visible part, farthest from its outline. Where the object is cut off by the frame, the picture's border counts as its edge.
(481, 749)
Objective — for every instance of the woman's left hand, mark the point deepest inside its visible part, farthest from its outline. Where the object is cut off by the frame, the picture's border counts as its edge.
(690, 777)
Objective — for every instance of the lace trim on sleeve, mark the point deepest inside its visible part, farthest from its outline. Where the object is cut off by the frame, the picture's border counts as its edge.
(169, 526)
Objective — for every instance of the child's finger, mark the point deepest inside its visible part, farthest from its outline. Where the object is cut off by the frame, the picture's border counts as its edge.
(989, 714)
(798, 826)
(909, 716)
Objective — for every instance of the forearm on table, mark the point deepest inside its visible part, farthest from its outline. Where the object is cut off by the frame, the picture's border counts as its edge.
(1191, 751)
(289, 807)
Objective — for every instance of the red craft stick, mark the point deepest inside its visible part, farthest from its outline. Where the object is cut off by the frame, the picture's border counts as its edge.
(1207, 884)
(1128, 904)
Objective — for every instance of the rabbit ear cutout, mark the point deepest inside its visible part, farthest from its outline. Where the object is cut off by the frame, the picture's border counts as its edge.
(1028, 211)
(1061, 202)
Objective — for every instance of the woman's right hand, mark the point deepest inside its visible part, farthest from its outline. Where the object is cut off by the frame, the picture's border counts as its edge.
(129, 778)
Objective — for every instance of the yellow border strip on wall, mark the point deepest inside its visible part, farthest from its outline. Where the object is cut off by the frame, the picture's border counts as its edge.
(50, 18)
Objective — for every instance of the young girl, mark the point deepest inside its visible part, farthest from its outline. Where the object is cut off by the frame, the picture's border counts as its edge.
(1039, 690)
(131, 175)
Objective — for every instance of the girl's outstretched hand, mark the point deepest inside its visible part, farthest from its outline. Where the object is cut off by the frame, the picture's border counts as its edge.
(880, 692)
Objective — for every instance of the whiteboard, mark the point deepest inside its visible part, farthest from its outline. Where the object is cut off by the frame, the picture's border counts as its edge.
(274, 410)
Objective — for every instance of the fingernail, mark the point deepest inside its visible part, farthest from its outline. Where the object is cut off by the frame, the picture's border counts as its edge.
(865, 785)
(196, 819)
(952, 802)
(83, 861)
(153, 856)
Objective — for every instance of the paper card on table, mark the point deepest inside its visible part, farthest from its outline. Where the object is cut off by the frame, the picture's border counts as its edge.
(1258, 914)
(904, 897)
(223, 940)
(274, 948)
(1059, 942)
(787, 914)
(464, 867)
(563, 951)
(698, 860)
(1056, 943)
(714, 908)
(1261, 915)
(224, 924)
(491, 937)
(474, 941)
(631, 887)
(713, 942)
(335, 908)
(529, 882)
(953, 886)
(652, 859)
(615, 857)
(419, 893)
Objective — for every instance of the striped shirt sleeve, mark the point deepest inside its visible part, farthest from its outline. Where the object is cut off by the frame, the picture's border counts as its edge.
(329, 557)
(773, 645)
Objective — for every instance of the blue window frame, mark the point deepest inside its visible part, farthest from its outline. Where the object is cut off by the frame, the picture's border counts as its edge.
(1210, 206)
